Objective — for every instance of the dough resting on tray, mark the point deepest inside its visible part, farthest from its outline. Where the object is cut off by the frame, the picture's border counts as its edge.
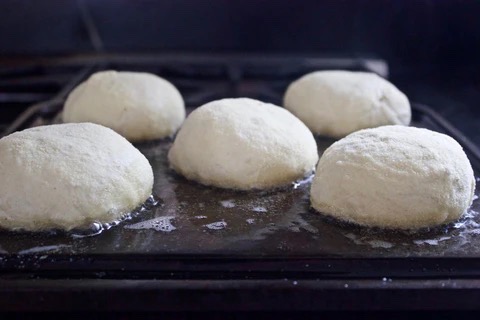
(394, 177)
(243, 144)
(337, 103)
(69, 175)
(139, 106)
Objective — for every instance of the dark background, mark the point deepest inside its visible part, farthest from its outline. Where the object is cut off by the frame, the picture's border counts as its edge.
(432, 46)
(405, 32)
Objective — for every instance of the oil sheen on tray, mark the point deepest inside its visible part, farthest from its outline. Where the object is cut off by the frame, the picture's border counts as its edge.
(194, 219)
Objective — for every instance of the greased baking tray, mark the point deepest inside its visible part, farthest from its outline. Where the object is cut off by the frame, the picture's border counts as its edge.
(195, 222)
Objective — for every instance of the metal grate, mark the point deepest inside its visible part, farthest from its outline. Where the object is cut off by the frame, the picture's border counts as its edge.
(39, 90)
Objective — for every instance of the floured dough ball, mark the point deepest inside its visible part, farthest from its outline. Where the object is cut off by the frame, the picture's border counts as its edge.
(139, 106)
(337, 103)
(69, 175)
(243, 144)
(394, 177)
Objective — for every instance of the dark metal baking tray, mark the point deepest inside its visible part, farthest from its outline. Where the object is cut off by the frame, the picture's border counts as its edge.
(202, 233)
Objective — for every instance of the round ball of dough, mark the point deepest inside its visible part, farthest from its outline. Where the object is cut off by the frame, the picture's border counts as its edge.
(69, 175)
(139, 106)
(243, 144)
(394, 177)
(337, 103)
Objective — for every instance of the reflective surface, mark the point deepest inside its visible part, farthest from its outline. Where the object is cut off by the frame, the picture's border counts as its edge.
(194, 219)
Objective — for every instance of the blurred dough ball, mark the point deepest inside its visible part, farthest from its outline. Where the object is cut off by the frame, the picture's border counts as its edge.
(394, 177)
(243, 144)
(69, 175)
(337, 103)
(139, 106)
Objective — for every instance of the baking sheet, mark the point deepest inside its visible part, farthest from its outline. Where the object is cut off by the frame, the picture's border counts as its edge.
(199, 220)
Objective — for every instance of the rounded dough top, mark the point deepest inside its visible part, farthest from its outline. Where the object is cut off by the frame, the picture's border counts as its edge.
(337, 103)
(394, 177)
(139, 106)
(68, 176)
(243, 144)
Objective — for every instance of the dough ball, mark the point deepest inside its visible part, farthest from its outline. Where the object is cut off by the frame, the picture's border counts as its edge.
(243, 144)
(69, 175)
(394, 177)
(337, 103)
(139, 106)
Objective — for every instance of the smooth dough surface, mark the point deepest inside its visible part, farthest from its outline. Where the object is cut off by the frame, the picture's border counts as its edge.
(69, 175)
(337, 103)
(394, 177)
(139, 106)
(243, 144)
